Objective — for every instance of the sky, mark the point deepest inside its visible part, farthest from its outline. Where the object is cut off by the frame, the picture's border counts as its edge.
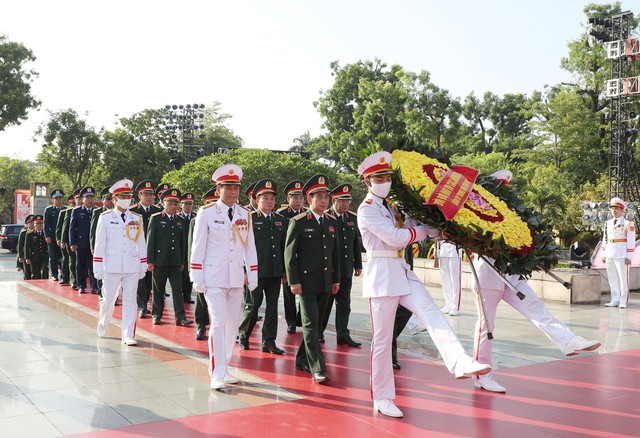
(266, 62)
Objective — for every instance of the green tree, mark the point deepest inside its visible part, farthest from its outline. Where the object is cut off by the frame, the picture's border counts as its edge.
(70, 147)
(480, 135)
(14, 174)
(15, 83)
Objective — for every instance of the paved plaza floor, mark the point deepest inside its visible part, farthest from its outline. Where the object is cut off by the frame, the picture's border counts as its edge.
(57, 378)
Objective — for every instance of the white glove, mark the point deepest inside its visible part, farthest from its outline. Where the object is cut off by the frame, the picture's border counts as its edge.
(252, 286)
(200, 287)
(98, 275)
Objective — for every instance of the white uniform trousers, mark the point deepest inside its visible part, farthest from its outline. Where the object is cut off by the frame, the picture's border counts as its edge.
(531, 308)
(618, 273)
(225, 310)
(450, 272)
(110, 288)
(383, 312)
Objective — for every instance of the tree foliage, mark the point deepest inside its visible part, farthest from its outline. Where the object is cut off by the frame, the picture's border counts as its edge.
(15, 83)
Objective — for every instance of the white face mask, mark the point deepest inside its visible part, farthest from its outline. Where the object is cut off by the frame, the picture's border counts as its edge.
(381, 190)
(123, 203)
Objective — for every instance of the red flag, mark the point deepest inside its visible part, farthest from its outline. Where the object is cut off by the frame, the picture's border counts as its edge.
(453, 190)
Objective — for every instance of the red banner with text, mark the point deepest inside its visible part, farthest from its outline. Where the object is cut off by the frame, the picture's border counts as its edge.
(453, 190)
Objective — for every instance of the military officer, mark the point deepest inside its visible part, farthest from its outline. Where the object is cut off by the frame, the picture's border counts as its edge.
(65, 239)
(350, 263)
(388, 281)
(68, 275)
(166, 245)
(159, 191)
(269, 230)
(79, 227)
(312, 260)
(187, 201)
(201, 311)
(223, 260)
(22, 237)
(618, 241)
(51, 214)
(253, 204)
(36, 251)
(145, 208)
(295, 201)
(119, 259)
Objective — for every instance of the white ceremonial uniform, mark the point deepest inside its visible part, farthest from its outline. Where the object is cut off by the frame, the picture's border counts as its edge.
(450, 260)
(389, 281)
(221, 251)
(120, 259)
(619, 242)
(494, 290)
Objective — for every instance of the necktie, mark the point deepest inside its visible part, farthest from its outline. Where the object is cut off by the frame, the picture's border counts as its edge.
(230, 213)
(268, 219)
(122, 216)
(615, 221)
(320, 220)
(341, 220)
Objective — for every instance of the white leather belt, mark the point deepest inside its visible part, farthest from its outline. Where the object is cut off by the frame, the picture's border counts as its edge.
(386, 253)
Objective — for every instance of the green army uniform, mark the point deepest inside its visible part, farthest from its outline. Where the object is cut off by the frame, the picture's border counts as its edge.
(269, 233)
(187, 286)
(312, 259)
(64, 264)
(248, 297)
(145, 284)
(26, 269)
(350, 259)
(51, 214)
(166, 245)
(36, 252)
(288, 299)
(94, 225)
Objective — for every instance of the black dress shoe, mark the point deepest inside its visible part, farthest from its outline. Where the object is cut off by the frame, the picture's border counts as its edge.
(321, 339)
(273, 349)
(304, 368)
(395, 364)
(94, 291)
(348, 341)
(167, 295)
(183, 322)
(82, 291)
(291, 329)
(156, 319)
(244, 344)
(143, 313)
(55, 278)
(189, 301)
(320, 377)
(201, 334)
(64, 283)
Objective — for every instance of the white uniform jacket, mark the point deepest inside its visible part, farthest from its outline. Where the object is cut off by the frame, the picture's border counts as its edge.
(446, 249)
(385, 276)
(222, 249)
(619, 238)
(120, 246)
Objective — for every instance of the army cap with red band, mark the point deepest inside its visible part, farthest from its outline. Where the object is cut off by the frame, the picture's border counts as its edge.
(28, 219)
(76, 194)
(71, 198)
(146, 186)
(249, 191)
(171, 194)
(376, 164)
(264, 186)
(188, 197)
(122, 187)
(317, 183)
(161, 189)
(37, 218)
(294, 187)
(343, 191)
(617, 202)
(212, 195)
(227, 174)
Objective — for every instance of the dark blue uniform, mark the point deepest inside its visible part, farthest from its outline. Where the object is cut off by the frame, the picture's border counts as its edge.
(51, 214)
(79, 227)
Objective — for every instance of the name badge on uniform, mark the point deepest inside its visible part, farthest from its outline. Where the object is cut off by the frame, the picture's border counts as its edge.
(218, 222)
(114, 223)
(308, 230)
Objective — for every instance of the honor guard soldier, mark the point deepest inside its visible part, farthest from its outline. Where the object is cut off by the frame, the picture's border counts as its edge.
(269, 230)
(79, 228)
(107, 204)
(223, 260)
(187, 201)
(312, 260)
(450, 261)
(35, 250)
(618, 241)
(120, 260)
(201, 312)
(145, 208)
(350, 263)
(62, 233)
(388, 281)
(51, 214)
(295, 201)
(166, 245)
(65, 239)
(22, 237)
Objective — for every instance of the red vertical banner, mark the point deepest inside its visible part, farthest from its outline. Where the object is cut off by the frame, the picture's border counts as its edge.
(453, 190)
(22, 205)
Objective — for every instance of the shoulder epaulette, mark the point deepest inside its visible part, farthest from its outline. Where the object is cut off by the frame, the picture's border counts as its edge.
(328, 213)
(134, 206)
(30, 231)
(156, 214)
(278, 214)
(281, 209)
(352, 212)
(105, 212)
(135, 214)
(300, 216)
(368, 201)
(248, 208)
(210, 204)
